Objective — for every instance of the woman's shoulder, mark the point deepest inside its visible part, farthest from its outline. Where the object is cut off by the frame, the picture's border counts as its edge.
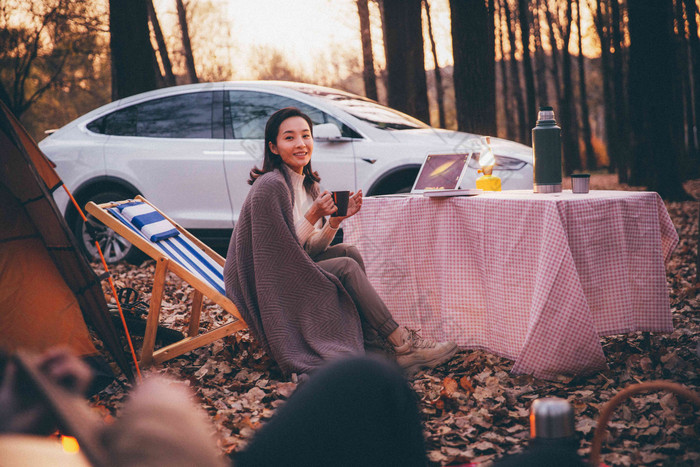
(269, 179)
(272, 181)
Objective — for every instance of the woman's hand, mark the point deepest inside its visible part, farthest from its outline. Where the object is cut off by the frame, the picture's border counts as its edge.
(354, 206)
(322, 207)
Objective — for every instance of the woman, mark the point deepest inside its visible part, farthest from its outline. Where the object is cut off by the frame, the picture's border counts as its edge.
(301, 298)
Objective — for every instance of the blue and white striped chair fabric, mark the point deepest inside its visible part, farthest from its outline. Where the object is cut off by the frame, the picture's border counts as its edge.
(153, 227)
(149, 221)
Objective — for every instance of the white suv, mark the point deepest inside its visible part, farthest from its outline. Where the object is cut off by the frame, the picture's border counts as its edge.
(189, 150)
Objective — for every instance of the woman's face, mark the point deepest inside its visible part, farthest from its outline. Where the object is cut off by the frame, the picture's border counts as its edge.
(294, 143)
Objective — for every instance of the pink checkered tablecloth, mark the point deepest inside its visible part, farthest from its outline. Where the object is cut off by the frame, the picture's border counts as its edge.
(536, 278)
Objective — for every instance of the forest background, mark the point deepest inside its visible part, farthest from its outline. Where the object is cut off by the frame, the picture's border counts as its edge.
(623, 77)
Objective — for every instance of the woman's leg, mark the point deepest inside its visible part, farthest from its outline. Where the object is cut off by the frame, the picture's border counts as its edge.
(354, 280)
(374, 340)
(353, 412)
(342, 250)
(412, 351)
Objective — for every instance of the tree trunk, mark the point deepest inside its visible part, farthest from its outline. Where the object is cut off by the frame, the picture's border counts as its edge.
(473, 49)
(585, 119)
(540, 61)
(368, 75)
(491, 39)
(5, 98)
(130, 44)
(515, 75)
(609, 104)
(403, 44)
(555, 52)
(683, 51)
(186, 45)
(439, 91)
(511, 132)
(653, 93)
(694, 42)
(531, 111)
(569, 127)
(160, 79)
(169, 78)
(620, 113)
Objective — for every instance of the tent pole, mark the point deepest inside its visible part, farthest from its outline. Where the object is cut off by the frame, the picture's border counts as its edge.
(111, 284)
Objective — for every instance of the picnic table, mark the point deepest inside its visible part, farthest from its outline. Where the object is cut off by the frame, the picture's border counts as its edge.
(536, 278)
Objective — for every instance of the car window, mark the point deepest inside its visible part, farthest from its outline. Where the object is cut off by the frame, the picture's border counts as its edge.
(120, 123)
(375, 114)
(246, 113)
(181, 116)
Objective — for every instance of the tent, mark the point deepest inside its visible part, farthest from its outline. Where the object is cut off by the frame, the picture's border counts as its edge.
(48, 290)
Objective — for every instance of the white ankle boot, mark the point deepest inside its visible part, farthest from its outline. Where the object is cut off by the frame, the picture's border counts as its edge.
(416, 353)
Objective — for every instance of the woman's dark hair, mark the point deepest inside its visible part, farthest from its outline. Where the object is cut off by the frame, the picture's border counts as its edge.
(274, 161)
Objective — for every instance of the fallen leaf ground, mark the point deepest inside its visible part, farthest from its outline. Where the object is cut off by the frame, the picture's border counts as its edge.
(473, 409)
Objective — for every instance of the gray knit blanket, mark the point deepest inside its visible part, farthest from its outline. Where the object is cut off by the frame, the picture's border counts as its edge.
(300, 313)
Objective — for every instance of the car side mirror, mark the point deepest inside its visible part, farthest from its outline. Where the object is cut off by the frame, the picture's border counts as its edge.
(328, 132)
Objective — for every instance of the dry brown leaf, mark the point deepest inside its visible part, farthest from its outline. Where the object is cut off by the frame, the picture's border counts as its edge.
(642, 422)
(436, 456)
(286, 389)
(585, 425)
(449, 386)
(484, 446)
(645, 364)
(650, 457)
(466, 384)
(669, 402)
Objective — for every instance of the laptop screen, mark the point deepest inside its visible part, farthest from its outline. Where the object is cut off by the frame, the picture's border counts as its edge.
(441, 172)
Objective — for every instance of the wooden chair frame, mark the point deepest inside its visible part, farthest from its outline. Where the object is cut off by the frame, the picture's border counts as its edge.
(193, 340)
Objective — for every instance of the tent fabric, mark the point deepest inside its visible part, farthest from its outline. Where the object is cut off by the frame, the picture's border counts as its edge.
(42, 164)
(48, 290)
(56, 308)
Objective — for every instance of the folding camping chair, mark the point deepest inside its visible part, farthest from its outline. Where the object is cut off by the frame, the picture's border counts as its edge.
(177, 251)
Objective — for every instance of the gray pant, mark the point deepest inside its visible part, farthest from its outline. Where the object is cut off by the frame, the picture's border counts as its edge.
(345, 262)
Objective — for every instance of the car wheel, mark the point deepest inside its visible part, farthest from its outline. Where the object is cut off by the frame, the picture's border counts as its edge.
(398, 182)
(114, 247)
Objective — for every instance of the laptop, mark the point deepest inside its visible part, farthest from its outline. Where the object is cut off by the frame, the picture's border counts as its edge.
(442, 174)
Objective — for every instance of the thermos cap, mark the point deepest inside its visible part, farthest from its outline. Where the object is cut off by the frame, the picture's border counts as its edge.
(551, 417)
(545, 113)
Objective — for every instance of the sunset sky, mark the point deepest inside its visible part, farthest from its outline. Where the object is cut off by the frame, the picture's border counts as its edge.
(305, 28)
(308, 32)
(311, 27)
(317, 37)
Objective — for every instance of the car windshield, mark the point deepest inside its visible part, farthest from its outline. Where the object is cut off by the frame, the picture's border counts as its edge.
(366, 110)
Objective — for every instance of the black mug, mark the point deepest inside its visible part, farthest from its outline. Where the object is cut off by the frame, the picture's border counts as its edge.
(340, 198)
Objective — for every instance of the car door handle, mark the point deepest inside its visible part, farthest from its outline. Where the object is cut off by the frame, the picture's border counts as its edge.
(371, 161)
